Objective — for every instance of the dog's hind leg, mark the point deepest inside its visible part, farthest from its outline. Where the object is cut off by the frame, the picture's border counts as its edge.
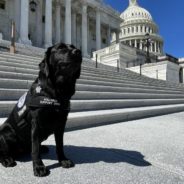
(5, 158)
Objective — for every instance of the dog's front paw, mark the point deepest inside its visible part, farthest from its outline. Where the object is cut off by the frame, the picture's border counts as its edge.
(8, 162)
(66, 163)
(39, 169)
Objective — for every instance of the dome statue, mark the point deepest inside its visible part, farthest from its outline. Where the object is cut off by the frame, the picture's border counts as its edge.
(136, 23)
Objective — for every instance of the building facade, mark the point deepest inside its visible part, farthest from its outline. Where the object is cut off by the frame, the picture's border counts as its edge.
(87, 24)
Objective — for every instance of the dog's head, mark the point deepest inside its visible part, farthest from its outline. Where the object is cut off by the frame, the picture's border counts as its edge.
(62, 64)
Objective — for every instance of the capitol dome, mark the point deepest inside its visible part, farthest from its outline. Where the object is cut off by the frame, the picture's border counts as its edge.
(135, 12)
(136, 23)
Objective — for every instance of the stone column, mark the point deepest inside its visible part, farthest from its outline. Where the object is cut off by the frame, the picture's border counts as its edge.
(62, 29)
(68, 32)
(140, 44)
(98, 30)
(130, 42)
(159, 47)
(155, 46)
(17, 18)
(84, 31)
(143, 28)
(109, 35)
(139, 29)
(24, 22)
(58, 22)
(135, 30)
(74, 28)
(39, 24)
(48, 23)
(135, 43)
(117, 36)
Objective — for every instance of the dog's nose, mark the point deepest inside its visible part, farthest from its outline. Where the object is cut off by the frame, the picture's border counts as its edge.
(76, 52)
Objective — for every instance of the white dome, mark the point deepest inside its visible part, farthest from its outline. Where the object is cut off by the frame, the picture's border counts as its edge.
(134, 11)
(136, 23)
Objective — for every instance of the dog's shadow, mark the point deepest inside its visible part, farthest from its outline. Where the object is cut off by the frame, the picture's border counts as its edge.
(86, 155)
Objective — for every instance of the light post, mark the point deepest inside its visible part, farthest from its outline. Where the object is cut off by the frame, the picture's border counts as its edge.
(12, 46)
(147, 43)
(96, 64)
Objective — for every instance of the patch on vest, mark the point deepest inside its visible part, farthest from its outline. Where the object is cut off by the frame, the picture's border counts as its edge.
(38, 89)
(21, 112)
(22, 100)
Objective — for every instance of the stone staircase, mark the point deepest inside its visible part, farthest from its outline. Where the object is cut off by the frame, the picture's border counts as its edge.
(103, 95)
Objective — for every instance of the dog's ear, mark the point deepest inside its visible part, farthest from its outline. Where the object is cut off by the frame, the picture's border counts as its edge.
(48, 53)
(44, 65)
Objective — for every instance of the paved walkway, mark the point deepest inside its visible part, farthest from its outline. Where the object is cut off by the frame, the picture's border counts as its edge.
(147, 151)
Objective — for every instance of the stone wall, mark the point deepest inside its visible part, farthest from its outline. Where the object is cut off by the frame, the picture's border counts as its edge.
(128, 56)
(164, 70)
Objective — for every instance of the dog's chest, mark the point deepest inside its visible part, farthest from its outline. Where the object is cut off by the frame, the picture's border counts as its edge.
(48, 122)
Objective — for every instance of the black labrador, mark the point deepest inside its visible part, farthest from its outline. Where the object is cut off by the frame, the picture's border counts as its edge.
(43, 110)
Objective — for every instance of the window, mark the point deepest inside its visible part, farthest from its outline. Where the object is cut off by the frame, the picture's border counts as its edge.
(2, 4)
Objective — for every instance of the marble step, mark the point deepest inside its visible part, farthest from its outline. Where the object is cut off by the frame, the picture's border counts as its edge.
(28, 76)
(11, 66)
(92, 85)
(91, 105)
(7, 54)
(20, 58)
(14, 94)
(87, 119)
(102, 89)
(128, 73)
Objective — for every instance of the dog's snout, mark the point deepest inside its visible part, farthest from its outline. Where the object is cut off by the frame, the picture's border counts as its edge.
(76, 52)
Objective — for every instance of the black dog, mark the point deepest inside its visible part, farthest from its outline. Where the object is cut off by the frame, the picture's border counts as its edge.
(43, 110)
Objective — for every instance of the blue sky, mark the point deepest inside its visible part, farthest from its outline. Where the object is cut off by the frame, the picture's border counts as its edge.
(169, 16)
